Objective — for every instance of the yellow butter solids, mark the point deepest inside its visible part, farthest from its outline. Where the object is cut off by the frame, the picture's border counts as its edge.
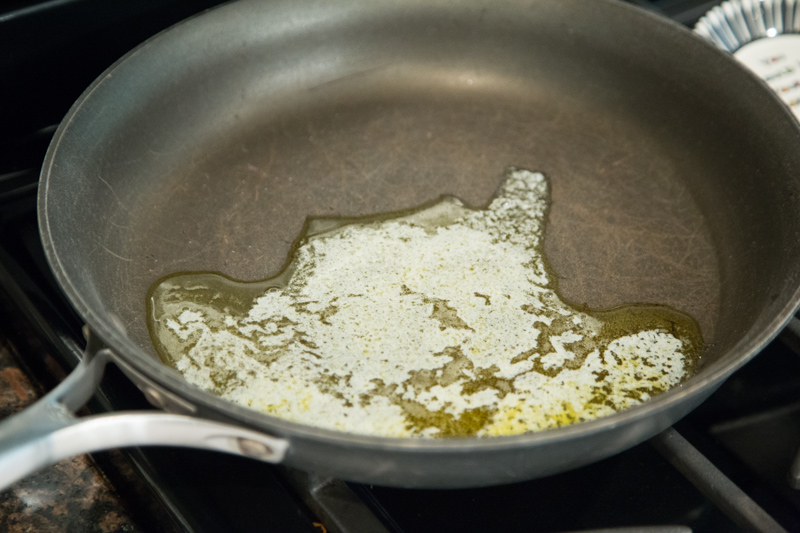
(440, 322)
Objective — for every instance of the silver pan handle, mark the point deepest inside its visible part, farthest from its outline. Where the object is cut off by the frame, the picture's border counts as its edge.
(49, 431)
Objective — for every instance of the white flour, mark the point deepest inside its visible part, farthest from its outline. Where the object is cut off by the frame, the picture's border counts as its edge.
(441, 323)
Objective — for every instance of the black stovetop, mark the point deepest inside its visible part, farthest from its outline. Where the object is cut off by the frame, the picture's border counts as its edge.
(749, 429)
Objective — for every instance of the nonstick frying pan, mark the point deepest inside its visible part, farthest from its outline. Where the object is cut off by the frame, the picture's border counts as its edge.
(674, 179)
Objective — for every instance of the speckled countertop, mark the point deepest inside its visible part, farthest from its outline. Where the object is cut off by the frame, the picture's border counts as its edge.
(69, 496)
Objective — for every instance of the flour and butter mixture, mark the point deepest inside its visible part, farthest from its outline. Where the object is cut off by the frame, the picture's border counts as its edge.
(441, 322)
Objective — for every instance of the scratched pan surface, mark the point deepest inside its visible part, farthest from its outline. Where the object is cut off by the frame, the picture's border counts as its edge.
(673, 172)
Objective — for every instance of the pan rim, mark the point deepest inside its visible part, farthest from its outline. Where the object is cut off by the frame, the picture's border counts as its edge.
(128, 351)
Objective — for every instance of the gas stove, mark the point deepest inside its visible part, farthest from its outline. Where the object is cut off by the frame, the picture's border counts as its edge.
(722, 468)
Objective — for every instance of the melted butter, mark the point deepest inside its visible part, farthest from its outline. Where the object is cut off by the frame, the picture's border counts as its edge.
(440, 321)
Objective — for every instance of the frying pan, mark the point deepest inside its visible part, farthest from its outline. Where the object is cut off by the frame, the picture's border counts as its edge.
(674, 179)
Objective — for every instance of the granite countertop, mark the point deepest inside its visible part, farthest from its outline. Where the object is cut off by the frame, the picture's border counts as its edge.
(71, 495)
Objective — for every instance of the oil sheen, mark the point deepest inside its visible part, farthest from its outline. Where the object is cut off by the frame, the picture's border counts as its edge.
(442, 321)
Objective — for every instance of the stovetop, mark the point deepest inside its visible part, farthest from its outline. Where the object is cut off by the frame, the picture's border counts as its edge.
(749, 429)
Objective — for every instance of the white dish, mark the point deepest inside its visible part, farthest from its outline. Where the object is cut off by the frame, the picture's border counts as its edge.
(765, 36)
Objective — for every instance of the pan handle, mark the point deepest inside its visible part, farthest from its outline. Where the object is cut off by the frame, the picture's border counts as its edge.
(49, 431)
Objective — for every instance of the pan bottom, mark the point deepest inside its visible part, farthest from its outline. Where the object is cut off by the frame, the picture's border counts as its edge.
(622, 226)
